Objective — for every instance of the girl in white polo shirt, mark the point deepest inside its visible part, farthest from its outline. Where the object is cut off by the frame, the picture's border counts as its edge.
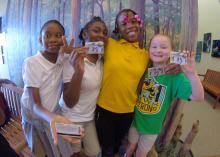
(42, 75)
(82, 80)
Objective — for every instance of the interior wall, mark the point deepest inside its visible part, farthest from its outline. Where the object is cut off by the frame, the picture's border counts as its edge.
(209, 12)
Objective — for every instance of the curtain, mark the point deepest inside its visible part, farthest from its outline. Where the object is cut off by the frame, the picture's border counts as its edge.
(189, 23)
(24, 18)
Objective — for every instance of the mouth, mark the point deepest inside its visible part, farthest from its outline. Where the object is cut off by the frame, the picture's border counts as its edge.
(158, 56)
(53, 46)
(131, 33)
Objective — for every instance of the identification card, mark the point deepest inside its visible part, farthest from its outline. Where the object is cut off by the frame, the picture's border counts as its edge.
(95, 47)
(156, 71)
(178, 58)
(68, 129)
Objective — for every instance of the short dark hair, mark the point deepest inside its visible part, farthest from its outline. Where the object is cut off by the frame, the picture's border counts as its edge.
(53, 21)
(93, 20)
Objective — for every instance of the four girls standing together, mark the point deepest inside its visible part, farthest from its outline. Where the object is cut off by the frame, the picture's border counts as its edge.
(100, 92)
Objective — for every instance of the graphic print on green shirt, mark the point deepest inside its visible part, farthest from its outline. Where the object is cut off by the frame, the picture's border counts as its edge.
(155, 99)
(152, 96)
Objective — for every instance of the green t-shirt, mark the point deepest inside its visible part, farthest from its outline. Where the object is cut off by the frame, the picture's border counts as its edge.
(155, 99)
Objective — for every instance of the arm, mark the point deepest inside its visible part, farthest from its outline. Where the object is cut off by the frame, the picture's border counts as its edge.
(190, 71)
(172, 68)
(72, 88)
(44, 114)
(66, 48)
(32, 81)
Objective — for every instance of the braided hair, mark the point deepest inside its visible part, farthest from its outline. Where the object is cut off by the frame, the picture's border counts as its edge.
(93, 20)
(115, 31)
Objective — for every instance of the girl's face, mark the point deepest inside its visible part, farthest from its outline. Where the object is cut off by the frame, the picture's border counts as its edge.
(128, 26)
(96, 31)
(51, 38)
(160, 49)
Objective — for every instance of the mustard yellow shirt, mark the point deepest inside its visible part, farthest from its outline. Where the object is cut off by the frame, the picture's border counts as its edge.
(124, 64)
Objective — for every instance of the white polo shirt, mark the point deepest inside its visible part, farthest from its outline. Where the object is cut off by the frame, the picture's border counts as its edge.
(40, 73)
(84, 110)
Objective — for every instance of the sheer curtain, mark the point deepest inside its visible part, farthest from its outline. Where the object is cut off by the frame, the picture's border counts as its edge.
(189, 23)
(24, 19)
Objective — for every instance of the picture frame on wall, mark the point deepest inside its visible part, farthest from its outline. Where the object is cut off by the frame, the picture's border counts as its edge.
(216, 48)
(207, 42)
(198, 55)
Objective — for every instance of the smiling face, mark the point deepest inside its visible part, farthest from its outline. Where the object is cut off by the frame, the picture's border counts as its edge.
(96, 31)
(51, 38)
(160, 48)
(128, 26)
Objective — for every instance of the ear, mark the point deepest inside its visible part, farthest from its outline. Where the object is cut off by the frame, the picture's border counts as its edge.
(40, 40)
(84, 35)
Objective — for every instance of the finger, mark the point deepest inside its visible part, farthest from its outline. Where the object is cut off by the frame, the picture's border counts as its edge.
(68, 49)
(187, 53)
(192, 54)
(72, 42)
(54, 134)
(71, 139)
(81, 51)
(64, 41)
(172, 68)
(82, 132)
(71, 58)
(169, 67)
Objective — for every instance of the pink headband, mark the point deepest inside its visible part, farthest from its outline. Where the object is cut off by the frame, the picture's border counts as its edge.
(125, 20)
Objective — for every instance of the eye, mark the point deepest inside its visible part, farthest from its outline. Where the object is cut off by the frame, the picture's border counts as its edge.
(164, 46)
(47, 35)
(95, 30)
(153, 47)
(134, 20)
(58, 35)
(123, 23)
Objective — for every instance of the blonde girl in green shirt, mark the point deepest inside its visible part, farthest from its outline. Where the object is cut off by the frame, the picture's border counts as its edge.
(157, 94)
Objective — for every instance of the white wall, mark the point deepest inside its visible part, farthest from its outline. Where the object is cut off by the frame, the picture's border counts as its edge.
(209, 12)
(3, 67)
(3, 7)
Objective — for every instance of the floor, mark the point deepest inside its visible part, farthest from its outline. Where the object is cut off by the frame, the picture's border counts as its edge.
(207, 141)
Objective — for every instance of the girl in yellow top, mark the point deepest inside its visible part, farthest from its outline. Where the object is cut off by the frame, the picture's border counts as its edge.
(124, 64)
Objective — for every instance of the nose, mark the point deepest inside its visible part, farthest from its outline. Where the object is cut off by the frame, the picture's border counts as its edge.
(158, 49)
(53, 39)
(129, 25)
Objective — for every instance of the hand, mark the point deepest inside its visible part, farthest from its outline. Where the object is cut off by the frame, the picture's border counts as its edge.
(190, 67)
(173, 68)
(66, 48)
(57, 119)
(74, 140)
(77, 59)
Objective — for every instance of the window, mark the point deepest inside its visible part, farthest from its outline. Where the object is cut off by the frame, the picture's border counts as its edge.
(2, 43)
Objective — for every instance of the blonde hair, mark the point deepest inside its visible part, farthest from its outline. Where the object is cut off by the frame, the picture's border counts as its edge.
(164, 35)
(156, 35)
